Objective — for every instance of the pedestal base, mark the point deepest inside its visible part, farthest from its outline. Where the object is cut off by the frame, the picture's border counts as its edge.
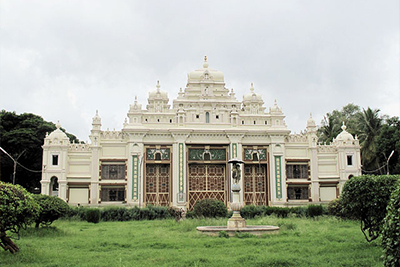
(236, 221)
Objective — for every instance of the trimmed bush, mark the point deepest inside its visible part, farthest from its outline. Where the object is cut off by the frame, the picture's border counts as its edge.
(210, 208)
(78, 213)
(391, 230)
(93, 215)
(52, 208)
(17, 210)
(314, 210)
(366, 197)
(251, 211)
(335, 208)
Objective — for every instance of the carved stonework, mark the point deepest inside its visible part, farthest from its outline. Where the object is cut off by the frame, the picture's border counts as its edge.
(199, 154)
(296, 138)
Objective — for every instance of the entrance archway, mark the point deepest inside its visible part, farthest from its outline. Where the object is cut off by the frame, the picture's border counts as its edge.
(53, 191)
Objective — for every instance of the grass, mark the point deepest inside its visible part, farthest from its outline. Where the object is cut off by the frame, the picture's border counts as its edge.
(324, 241)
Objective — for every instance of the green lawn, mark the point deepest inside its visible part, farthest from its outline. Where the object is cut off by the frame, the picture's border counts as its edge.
(325, 241)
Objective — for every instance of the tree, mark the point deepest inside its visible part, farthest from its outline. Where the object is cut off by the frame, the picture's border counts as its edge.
(22, 136)
(18, 209)
(369, 127)
(365, 198)
(388, 140)
(391, 230)
(51, 208)
(331, 125)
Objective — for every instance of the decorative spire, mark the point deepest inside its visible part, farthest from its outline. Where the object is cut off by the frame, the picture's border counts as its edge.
(58, 125)
(252, 88)
(344, 127)
(158, 86)
(205, 65)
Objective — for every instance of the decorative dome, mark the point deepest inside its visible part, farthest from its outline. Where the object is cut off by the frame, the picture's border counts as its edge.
(344, 135)
(252, 96)
(311, 122)
(205, 74)
(275, 109)
(158, 94)
(57, 133)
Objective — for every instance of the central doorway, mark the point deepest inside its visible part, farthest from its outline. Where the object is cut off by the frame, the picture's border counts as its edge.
(255, 184)
(157, 184)
(207, 181)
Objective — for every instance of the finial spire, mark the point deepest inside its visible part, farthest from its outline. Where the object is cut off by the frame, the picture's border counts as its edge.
(58, 125)
(158, 85)
(205, 64)
(344, 127)
(252, 88)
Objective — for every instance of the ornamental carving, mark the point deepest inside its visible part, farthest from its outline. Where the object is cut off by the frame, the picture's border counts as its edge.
(204, 154)
(151, 154)
(296, 138)
(261, 154)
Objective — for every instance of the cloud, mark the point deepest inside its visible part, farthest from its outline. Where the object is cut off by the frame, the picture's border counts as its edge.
(64, 60)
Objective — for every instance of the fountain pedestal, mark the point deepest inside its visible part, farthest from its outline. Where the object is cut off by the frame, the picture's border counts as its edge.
(236, 221)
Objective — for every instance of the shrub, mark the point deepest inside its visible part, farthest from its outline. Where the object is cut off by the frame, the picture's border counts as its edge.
(52, 208)
(93, 215)
(391, 230)
(335, 208)
(314, 210)
(177, 213)
(251, 211)
(76, 213)
(210, 208)
(366, 197)
(17, 210)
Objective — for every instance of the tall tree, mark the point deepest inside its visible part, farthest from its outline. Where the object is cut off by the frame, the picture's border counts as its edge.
(22, 137)
(331, 125)
(369, 126)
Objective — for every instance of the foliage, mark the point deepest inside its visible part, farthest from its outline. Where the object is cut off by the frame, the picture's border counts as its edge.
(391, 231)
(330, 126)
(314, 210)
(210, 208)
(252, 211)
(17, 206)
(93, 215)
(177, 213)
(17, 210)
(369, 125)
(52, 208)
(335, 208)
(22, 137)
(366, 197)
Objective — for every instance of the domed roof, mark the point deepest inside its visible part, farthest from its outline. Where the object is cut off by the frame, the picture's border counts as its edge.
(158, 94)
(57, 133)
(344, 135)
(275, 109)
(311, 121)
(252, 96)
(206, 73)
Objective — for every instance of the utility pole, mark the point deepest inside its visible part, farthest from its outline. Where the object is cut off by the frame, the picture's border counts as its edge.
(14, 160)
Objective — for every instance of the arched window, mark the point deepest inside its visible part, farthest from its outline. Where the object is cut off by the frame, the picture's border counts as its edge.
(158, 156)
(207, 117)
(206, 156)
(53, 186)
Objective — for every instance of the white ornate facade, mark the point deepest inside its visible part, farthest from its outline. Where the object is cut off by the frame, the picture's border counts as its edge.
(176, 156)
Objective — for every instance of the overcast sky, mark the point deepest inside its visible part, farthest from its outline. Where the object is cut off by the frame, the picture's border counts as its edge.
(63, 60)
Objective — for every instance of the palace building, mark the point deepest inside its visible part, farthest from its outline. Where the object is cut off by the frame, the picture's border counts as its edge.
(175, 156)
